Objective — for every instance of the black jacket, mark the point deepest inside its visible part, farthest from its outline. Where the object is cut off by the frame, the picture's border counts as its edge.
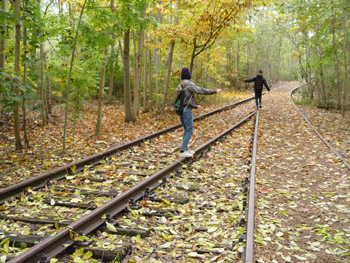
(259, 82)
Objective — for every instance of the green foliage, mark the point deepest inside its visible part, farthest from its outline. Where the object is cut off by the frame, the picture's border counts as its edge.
(317, 29)
(84, 77)
(276, 38)
(9, 97)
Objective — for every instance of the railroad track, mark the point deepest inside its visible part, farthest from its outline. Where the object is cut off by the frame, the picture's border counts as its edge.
(79, 216)
(78, 166)
(339, 155)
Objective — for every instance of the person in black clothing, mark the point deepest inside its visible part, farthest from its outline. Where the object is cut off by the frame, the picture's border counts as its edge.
(259, 83)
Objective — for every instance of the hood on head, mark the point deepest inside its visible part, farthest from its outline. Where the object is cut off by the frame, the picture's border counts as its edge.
(184, 83)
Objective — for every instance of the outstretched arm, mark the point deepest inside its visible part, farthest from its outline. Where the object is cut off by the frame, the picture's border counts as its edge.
(267, 87)
(249, 80)
(202, 91)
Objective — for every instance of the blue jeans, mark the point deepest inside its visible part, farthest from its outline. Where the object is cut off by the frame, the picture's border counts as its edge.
(187, 122)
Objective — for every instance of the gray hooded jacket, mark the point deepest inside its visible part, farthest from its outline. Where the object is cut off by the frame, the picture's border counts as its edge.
(190, 88)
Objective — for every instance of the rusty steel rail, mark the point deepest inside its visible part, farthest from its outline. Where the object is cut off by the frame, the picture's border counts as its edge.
(317, 132)
(248, 257)
(53, 246)
(60, 172)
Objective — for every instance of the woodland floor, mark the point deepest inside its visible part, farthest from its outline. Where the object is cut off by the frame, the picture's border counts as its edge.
(303, 208)
(45, 151)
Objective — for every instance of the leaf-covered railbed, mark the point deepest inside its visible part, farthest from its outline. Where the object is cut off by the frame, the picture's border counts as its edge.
(334, 127)
(62, 202)
(45, 153)
(303, 190)
(206, 229)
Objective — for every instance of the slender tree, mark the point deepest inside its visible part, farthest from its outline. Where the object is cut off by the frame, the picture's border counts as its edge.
(17, 71)
(237, 57)
(129, 116)
(346, 52)
(111, 69)
(69, 79)
(43, 94)
(3, 37)
(24, 110)
(100, 96)
(145, 78)
(150, 80)
(138, 68)
(169, 61)
(157, 53)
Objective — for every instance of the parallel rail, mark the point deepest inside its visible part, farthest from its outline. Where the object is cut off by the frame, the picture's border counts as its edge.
(317, 132)
(59, 173)
(53, 246)
(249, 252)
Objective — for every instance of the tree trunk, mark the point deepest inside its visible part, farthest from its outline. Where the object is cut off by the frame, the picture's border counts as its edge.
(18, 143)
(193, 54)
(145, 79)
(237, 64)
(278, 59)
(127, 89)
(248, 54)
(69, 80)
(206, 75)
(336, 63)
(308, 69)
(100, 96)
(3, 37)
(135, 73)
(42, 85)
(325, 97)
(170, 59)
(157, 55)
(49, 95)
(150, 88)
(111, 71)
(170, 62)
(26, 140)
(346, 75)
(138, 71)
(2, 43)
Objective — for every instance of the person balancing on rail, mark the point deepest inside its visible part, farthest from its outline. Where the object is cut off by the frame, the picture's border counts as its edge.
(188, 102)
(259, 82)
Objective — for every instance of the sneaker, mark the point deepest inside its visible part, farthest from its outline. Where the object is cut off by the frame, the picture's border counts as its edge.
(185, 154)
(260, 106)
(192, 152)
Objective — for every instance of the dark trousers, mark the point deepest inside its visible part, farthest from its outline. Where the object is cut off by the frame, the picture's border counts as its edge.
(258, 96)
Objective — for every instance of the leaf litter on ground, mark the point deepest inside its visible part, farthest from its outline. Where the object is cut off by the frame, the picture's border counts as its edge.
(308, 201)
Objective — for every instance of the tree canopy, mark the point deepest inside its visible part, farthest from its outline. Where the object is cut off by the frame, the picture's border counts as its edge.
(131, 52)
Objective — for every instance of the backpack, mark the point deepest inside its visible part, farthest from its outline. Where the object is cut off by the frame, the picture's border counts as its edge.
(179, 102)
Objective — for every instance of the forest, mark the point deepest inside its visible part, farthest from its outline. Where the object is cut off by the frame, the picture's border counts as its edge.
(72, 54)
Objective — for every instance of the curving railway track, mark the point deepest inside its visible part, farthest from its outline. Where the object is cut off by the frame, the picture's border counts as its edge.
(339, 155)
(55, 212)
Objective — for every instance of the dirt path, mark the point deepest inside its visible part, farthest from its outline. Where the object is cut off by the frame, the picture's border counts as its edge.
(303, 208)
